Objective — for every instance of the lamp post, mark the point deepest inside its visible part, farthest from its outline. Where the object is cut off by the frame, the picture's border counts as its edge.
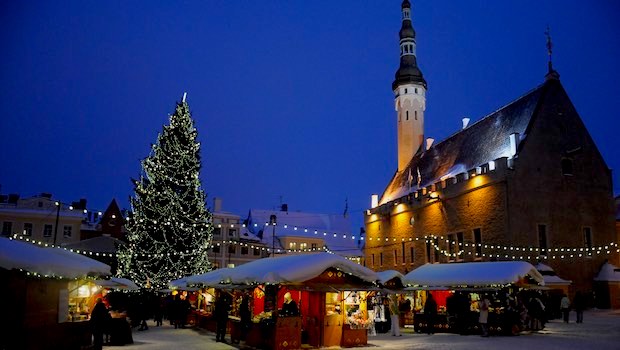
(273, 221)
(57, 216)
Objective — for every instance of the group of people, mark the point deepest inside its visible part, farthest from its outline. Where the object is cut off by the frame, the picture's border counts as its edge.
(579, 304)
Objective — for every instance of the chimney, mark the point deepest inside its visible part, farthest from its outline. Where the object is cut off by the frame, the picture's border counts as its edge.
(374, 201)
(429, 142)
(284, 207)
(217, 204)
(514, 142)
(465, 122)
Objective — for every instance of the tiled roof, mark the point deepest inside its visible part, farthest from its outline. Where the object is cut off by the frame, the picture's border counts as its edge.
(484, 141)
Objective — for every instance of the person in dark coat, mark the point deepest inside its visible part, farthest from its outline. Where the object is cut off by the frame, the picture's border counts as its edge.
(245, 315)
(99, 321)
(289, 307)
(430, 312)
(580, 304)
(221, 317)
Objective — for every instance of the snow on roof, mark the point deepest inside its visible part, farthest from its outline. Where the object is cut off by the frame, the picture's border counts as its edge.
(208, 279)
(472, 274)
(542, 267)
(479, 143)
(101, 244)
(117, 283)
(608, 273)
(387, 275)
(555, 280)
(286, 270)
(48, 261)
(333, 229)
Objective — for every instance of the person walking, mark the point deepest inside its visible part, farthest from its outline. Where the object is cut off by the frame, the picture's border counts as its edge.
(565, 307)
(483, 305)
(221, 317)
(430, 312)
(580, 304)
(394, 316)
(98, 321)
(245, 315)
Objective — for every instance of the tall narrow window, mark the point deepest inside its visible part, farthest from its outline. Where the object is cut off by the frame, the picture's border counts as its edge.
(407, 115)
(415, 114)
(395, 257)
(459, 246)
(567, 166)
(47, 231)
(402, 244)
(436, 250)
(542, 239)
(7, 228)
(373, 260)
(67, 231)
(428, 251)
(587, 240)
(380, 259)
(411, 254)
(452, 247)
(27, 229)
(478, 242)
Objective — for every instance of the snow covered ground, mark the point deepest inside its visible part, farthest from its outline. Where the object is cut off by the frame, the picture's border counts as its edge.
(600, 331)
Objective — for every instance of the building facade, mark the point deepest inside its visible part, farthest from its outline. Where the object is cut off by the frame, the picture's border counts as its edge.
(41, 218)
(232, 243)
(526, 182)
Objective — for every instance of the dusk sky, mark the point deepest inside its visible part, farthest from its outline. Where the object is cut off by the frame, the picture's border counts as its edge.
(292, 99)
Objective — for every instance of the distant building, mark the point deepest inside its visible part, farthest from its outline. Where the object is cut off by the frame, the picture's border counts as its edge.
(109, 223)
(232, 243)
(526, 182)
(41, 218)
(289, 232)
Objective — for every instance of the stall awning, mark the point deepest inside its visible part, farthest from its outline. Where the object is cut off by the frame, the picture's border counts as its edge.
(475, 274)
(52, 262)
(609, 273)
(291, 269)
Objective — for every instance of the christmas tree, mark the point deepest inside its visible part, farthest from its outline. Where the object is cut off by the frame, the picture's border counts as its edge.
(169, 230)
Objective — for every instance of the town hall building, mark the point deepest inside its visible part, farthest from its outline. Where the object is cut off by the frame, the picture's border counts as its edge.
(525, 182)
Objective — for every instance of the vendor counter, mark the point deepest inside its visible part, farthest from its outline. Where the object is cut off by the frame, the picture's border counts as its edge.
(279, 334)
(499, 323)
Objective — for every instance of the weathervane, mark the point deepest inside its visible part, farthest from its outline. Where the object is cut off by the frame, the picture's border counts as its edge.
(552, 73)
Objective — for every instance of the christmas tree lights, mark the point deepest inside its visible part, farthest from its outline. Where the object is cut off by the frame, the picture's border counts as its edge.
(169, 221)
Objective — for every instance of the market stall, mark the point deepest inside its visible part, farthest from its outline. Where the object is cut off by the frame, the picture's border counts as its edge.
(45, 293)
(457, 289)
(328, 290)
(607, 287)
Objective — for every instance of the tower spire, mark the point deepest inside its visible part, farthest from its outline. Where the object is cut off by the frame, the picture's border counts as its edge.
(408, 71)
(551, 73)
(409, 89)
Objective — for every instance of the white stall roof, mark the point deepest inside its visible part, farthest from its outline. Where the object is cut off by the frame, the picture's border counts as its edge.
(208, 279)
(285, 270)
(472, 274)
(52, 262)
(387, 275)
(609, 273)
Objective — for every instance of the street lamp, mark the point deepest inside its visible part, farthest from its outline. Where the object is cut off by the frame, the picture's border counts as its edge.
(273, 220)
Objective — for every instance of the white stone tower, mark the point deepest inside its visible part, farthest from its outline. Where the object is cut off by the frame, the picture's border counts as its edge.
(409, 89)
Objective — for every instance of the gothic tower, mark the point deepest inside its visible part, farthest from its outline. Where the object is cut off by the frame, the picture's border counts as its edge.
(410, 94)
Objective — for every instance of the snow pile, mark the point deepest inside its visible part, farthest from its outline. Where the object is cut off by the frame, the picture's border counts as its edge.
(117, 283)
(49, 262)
(471, 274)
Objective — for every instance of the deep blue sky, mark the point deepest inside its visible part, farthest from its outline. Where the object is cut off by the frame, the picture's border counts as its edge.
(292, 99)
